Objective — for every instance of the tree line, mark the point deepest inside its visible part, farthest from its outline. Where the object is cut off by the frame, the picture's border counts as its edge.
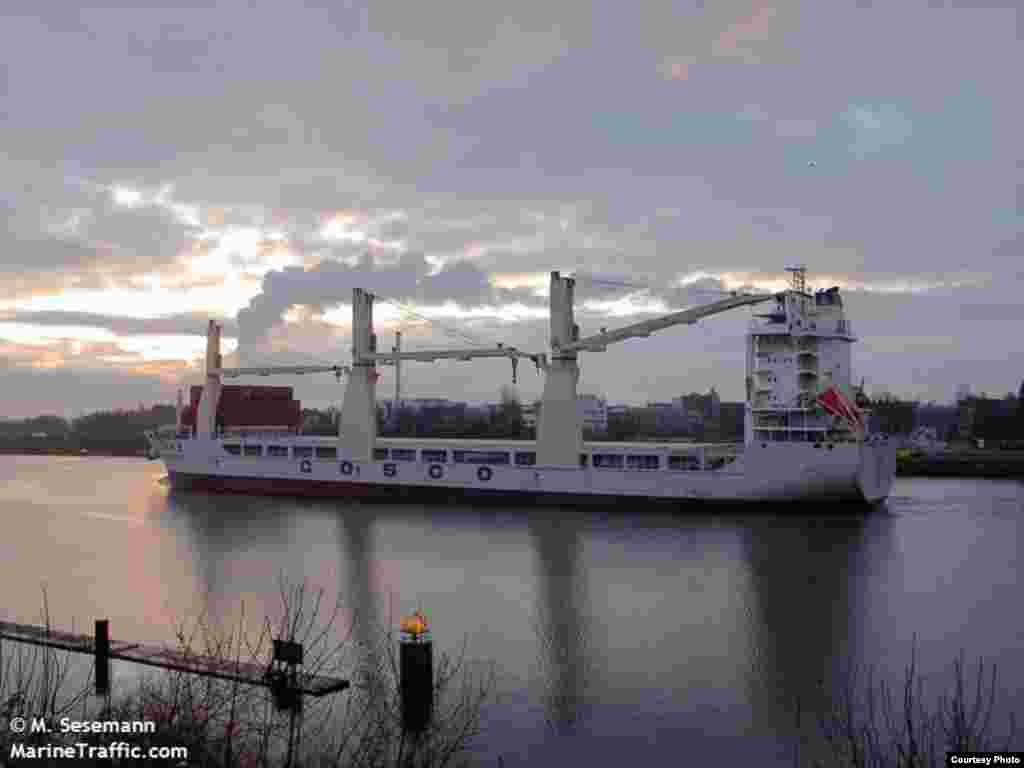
(116, 431)
(972, 417)
(122, 430)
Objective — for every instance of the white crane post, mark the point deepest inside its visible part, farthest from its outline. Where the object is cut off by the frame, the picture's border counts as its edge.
(206, 419)
(398, 370)
(559, 437)
(357, 427)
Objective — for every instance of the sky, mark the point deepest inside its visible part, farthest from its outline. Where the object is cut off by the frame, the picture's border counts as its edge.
(252, 163)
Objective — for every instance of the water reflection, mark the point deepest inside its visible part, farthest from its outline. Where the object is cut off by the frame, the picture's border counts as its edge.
(355, 531)
(231, 545)
(808, 576)
(562, 629)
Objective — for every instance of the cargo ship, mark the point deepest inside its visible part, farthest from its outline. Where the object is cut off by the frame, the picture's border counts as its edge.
(805, 439)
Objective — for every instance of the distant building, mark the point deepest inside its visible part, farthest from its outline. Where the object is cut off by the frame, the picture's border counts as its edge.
(593, 413)
(530, 411)
(420, 403)
(700, 406)
(943, 419)
(926, 439)
(670, 417)
(986, 418)
(732, 421)
(480, 410)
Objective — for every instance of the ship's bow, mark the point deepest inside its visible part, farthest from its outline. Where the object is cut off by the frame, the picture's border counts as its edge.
(877, 469)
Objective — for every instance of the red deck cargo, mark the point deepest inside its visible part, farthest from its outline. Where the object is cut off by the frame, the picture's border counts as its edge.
(249, 406)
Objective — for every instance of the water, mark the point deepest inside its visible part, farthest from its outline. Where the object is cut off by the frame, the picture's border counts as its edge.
(617, 635)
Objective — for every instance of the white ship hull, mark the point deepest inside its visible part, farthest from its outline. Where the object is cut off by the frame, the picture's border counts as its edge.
(771, 472)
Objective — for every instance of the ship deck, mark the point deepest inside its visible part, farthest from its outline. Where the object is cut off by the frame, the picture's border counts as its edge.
(399, 442)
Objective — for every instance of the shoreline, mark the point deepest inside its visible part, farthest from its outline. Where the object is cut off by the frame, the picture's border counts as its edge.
(113, 452)
(982, 463)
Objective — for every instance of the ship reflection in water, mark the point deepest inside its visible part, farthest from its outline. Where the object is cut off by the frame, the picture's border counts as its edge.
(621, 629)
(618, 636)
(562, 632)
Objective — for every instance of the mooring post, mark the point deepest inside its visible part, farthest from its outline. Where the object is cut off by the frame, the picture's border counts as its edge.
(416, 666)
(102, 651)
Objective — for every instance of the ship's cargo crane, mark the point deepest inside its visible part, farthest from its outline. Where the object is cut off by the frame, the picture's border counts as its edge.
(559, 432)
(357, 426)
(271, 370)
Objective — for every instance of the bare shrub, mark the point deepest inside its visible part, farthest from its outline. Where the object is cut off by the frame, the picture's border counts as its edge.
(228, 723)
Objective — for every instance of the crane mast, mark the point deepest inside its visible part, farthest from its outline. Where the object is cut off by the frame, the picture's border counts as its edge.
(559, 433)
(357, 425)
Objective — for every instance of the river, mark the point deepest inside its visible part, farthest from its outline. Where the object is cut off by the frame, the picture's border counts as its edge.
(617, 635)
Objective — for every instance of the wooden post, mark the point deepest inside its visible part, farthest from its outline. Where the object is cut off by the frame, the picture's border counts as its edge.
(102, 652)
(416, 659)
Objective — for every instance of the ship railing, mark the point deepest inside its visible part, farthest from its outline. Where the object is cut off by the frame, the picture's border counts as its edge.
(260, 434)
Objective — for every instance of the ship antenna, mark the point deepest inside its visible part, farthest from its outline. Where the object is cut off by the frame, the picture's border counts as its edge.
(798, 281)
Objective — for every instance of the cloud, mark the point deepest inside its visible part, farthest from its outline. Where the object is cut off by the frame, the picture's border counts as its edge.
(740, 39)
(57, 232)
(330, 284)
(875, 128)
(793, 128)
(183, 324)
(468, 146)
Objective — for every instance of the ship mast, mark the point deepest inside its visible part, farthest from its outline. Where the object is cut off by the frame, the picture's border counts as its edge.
(798, 278)
(559, 433)
(398, 370)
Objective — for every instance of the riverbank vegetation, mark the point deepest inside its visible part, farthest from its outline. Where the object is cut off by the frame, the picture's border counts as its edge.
(119, 433)
(868, 723)
(962, 462)
(224, 723)
(857, 721)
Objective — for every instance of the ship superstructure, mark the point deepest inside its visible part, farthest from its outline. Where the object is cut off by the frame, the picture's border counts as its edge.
(796, 352)
(805, 437)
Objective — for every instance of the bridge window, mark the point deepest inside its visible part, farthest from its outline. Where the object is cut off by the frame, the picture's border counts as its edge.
(254, 450)
(234, 450)
(583, 459)
(433, 456)
(302, 452)
(380, 454)
(642, 462)
(526, 458)
(480, 457)
(326, 452)
(403, 454)
(608, 460)
(280, 451)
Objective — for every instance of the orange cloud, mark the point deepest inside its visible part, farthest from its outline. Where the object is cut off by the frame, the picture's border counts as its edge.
(677, 67)
(735, 41)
